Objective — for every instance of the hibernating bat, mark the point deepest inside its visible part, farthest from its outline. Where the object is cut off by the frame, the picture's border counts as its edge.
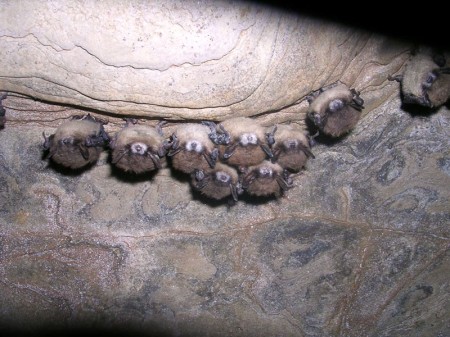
(335, 109)
(266, 179)
(191, 149)
(426, 79)
(138, 148)
(245, 142)
(290, 147)
(2, 111)
(77, 142)
(218, 183)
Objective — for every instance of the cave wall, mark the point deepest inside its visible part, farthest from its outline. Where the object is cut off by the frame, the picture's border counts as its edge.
(358, 247)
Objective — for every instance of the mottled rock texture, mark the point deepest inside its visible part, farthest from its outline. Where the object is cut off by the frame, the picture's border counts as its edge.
(359, 246)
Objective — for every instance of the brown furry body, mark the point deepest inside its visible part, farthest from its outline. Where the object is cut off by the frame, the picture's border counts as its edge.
(76, 143)
(424, 82)
(291, 149)
(336, 111)
(265, 179)
(440, 91)
(144, 138)
(192, 148)
(243, 154)
(217, 183)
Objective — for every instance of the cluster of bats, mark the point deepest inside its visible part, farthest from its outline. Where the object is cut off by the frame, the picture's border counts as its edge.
(239, 155)
(223, 161)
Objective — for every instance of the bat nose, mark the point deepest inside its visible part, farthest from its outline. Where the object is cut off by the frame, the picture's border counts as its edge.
(316, 119)
(222, 177)
(265, 172)
(292, 144)
(139, 148)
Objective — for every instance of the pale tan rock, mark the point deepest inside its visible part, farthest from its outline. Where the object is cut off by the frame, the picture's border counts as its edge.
(185, 59)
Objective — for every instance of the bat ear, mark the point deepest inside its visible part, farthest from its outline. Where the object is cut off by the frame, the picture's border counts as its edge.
(270, 136)
(48, 141)
(162, 151)
(172, 145)
(284, 185)
(155, 160)
(306, 151)
(212, 157)
(230, 150)
(266, 150)
(159, 127)
(84, 151)
(234, 192)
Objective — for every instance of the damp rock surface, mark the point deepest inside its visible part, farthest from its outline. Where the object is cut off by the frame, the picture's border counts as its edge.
(358, 247)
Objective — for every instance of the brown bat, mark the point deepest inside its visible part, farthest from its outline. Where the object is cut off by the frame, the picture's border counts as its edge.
(138, 148)
(336, 109)
(426, 79)
(243, 142)
(218, 183)
(290, 147)
(77, 142)
(265, 179)
(191, 148)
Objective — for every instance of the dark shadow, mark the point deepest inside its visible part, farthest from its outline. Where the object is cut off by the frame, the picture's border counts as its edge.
(86, 110)
(66, 171)
(80, 330)
(198, 196)
(417, 110)
(229, 201)
(2, 111)
(177, 175)
(255, 200)
(424, 23)
(131, 177)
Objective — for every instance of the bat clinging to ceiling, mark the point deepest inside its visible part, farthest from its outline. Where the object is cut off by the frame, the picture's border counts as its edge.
(336, 109)
(426, 79)
(290, 147)
(265, 179)
(218, 183)
(138, 148)
(191, 148)
(245, 142)
(77, 142)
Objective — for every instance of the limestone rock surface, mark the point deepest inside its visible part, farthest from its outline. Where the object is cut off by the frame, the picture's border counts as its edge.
(358, 247)
(185, 59)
